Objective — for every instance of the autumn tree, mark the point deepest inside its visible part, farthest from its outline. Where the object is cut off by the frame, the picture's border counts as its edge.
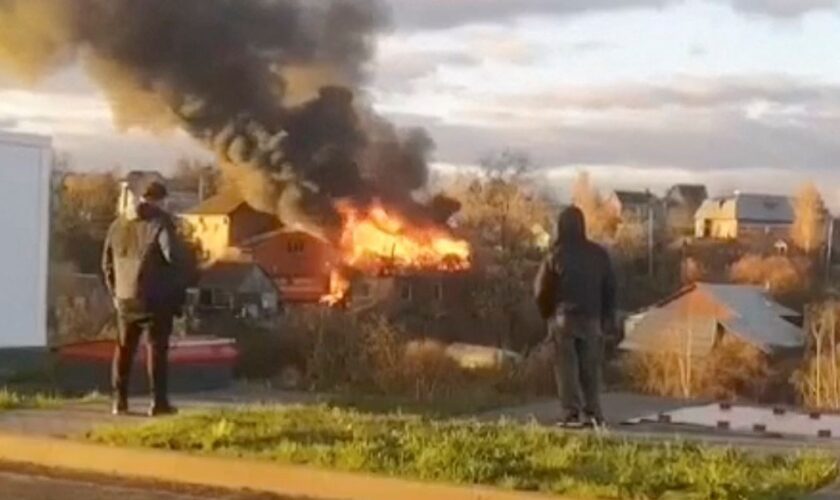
(601, 219)
(809, 227)
(84, 205)
(509, 228)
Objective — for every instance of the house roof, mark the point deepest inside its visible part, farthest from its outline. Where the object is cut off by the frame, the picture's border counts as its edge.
(228, 275)
(223, 203)
(634, 197)
(744, 311)
(749, 207)
(692, 194)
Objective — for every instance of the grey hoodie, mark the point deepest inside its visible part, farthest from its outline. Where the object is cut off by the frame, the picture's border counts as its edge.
(142, 262)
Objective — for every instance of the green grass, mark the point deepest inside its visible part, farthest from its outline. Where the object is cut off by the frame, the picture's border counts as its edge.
(505, 455)
(13, 400)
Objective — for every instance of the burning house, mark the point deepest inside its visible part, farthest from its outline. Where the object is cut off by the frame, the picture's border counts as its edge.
(269, 88)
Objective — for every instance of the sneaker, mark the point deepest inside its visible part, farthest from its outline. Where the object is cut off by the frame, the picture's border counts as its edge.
(570, 419)
(119, 408)
(160, 410)
(594, 422)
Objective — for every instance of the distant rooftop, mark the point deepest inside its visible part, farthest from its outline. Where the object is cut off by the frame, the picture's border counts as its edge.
(223, 203)
(749, 207)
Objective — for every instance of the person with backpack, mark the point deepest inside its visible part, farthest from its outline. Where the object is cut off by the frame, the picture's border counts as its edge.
(147, 270)
(575, 290)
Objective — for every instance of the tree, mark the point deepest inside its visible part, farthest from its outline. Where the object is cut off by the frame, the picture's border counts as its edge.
(83, 208)
(601, 219)
(809, 227)
(506, 224)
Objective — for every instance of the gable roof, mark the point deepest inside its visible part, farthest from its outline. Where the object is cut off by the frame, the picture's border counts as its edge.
(228, 274)
(749, 207)
(223, 203)
(691, 194)
(743, 311)
(634, 197)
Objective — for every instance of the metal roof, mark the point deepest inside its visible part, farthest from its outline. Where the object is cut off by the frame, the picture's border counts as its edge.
(744, 311)
(749, 207)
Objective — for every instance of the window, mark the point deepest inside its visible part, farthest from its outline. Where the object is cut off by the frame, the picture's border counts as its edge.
(439, 292)
(295, 245)
(362, 290)
(406, 292)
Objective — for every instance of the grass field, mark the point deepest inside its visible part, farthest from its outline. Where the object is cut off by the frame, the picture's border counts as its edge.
(505, 455)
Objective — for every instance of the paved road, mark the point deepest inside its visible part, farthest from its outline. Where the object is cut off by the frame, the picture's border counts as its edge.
(22, 484)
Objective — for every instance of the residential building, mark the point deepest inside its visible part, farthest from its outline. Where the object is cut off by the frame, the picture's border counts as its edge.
(223, 222)
(298, 262)
(698, 318)
(743, 215)
(681, 204)
(237, 289)
(633, 205)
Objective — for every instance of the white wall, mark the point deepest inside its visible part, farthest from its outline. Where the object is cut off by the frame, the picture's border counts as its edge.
(25, 164)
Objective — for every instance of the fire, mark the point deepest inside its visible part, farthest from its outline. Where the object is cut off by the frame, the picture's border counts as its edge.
(378, 239)
(339, 286)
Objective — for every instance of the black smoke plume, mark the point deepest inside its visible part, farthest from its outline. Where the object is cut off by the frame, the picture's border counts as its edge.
(269, 85)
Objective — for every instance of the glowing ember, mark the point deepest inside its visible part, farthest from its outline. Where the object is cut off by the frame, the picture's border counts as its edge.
(376, 239)
(339, 286)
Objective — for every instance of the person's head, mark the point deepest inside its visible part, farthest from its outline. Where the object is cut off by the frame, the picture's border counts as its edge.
(571, 226)
(154, 194)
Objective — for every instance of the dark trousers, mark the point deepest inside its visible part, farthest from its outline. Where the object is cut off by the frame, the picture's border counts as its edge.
(579, 353)
(157, 329)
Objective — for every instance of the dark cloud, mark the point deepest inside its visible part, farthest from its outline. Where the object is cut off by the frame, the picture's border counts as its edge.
(442, 14)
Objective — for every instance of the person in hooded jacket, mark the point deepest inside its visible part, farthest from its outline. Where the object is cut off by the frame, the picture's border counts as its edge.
(576, 293)
(146, 270)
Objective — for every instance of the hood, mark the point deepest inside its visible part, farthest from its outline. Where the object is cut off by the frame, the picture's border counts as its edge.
(144, 211)
(571, 227)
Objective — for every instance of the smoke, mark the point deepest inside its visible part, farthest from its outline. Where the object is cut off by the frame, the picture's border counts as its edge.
(267, 84)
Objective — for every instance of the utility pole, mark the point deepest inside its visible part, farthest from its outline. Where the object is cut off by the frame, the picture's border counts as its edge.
(650, 233)
(829, 252)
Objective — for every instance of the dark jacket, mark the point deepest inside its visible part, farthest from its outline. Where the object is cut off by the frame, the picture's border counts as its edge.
(576, 278)
(145, 263)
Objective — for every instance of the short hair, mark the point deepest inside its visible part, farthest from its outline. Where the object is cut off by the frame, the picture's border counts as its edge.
(155, 191)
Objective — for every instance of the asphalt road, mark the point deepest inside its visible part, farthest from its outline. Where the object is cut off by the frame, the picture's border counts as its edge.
(18, 483)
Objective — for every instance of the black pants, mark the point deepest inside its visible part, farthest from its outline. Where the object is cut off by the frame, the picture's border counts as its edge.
(158, 329)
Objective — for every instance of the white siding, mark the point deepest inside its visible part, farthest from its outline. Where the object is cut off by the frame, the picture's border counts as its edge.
(25, 164)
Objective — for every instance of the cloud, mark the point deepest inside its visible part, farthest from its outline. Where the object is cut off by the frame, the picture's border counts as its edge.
(685, 92)
(443, 14)
(693, 124)
(398, 70)
(782, 8)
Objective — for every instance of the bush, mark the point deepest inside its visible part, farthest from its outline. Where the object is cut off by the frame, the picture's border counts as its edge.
(732, 370)
(783, 275)
(818, 381)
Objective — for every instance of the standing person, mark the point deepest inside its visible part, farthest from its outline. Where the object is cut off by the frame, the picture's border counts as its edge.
(145, 268)
(575, 291)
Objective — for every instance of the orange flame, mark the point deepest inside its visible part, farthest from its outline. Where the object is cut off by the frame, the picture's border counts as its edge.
(378, 239)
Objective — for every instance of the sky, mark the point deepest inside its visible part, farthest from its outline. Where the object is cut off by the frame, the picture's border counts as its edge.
(737, 94)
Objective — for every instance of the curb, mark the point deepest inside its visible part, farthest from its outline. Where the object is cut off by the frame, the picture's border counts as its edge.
(235, 474)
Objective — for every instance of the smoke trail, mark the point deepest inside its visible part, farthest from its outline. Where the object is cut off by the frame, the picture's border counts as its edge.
(267, 84)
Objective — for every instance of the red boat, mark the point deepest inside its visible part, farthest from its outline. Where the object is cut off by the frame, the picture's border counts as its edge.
(195, 364)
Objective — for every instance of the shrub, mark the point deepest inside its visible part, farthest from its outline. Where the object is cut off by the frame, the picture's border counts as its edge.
(818, 380)
(732, 370)
(782, 275)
